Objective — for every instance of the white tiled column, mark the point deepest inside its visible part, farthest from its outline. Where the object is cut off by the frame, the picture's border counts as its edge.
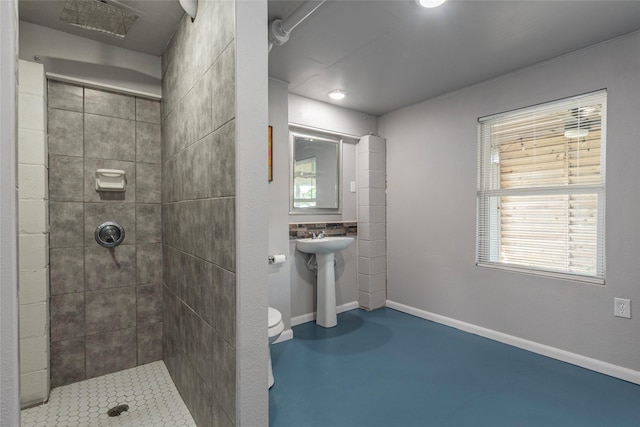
(33, 237)
(372, 206)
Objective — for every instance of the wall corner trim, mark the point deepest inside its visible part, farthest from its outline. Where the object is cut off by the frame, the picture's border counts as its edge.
(544, 350)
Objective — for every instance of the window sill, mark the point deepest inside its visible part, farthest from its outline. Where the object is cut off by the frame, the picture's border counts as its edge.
(542, 273)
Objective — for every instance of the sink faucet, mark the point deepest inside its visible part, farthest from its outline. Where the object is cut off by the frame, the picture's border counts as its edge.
(320, 235)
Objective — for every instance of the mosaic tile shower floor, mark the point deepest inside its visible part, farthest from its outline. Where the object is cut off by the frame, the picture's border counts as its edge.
(147, 389)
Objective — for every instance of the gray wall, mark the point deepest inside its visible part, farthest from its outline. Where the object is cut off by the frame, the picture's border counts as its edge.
(323, 116)
(90, 61)
(198, 211)
(105, 303)
(252, 224)
(279, 278)
(293, 291)
(431, 161)
(9, 369)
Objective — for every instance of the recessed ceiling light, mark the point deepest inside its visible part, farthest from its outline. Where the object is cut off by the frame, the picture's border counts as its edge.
(430, 3)
(337, 94)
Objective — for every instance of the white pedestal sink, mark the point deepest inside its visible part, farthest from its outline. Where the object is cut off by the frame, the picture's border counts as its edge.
(324, 249)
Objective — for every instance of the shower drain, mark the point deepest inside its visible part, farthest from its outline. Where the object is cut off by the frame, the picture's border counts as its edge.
(117, 410)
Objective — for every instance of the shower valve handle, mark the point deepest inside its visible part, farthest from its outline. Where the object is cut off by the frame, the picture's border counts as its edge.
(109, 234)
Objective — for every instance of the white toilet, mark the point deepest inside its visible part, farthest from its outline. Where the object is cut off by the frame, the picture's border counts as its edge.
(276, 327)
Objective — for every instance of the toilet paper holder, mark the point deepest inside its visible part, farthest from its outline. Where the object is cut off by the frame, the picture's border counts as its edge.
(277, 258)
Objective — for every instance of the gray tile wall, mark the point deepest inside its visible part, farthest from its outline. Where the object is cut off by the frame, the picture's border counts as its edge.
(105, 303)
(198, 211)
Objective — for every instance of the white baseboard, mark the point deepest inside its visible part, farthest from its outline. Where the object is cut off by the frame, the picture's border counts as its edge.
(284, 336)
(545, 350)
(304, 318)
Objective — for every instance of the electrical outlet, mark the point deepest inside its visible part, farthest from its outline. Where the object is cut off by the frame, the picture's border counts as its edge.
(622, 307)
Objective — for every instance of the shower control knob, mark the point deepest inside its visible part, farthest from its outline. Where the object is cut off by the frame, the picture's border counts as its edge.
(109, 234)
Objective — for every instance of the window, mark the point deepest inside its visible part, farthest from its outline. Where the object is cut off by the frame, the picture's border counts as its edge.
(541, 189)
(304, 183)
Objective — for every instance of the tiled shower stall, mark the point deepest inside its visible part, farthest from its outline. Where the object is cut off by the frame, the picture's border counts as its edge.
(168, 296)
(168, 292)
(105, 302)
(199, 211)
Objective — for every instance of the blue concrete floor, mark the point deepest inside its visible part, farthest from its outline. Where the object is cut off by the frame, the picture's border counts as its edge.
(387, 368)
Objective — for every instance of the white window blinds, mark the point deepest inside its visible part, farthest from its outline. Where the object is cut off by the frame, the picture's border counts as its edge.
(541, 189)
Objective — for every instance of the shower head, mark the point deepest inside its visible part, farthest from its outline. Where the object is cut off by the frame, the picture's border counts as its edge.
(98, 16)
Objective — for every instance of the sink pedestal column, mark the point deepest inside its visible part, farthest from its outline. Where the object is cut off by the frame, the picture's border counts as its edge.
(326, 312)
(324, 249)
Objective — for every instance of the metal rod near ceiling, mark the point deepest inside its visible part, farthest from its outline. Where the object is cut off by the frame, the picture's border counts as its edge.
(279, 29)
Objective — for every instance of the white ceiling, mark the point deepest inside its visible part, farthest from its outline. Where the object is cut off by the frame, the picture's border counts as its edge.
(150, 34)
(390, 54)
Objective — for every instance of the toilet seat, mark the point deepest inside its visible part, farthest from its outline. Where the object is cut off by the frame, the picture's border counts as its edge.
(275, 324)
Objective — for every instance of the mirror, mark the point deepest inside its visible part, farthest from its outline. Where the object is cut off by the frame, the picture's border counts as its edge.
(315, 172)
